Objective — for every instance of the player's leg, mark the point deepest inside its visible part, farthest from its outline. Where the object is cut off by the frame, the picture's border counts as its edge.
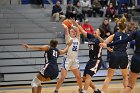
(76, 71)
(92, 85)
(113, 64)
(61, 79)
(87, 82)
(131, 82)
(40, 77)
(124, 68)
(35, 84)
(125, 77)
(77, 74)
(135, 64)
(110, 74)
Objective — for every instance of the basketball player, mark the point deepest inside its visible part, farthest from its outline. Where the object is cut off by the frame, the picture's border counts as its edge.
(135, 61)
(118, 57)
(71, 61)
(94, 63)
(50, 70)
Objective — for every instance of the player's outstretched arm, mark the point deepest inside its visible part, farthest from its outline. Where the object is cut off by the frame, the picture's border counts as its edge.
(66, 48)
(109, 39)
(43, 48)
(80, 28)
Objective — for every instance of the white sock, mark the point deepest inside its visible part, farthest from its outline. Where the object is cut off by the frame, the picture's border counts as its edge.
(84, 91)
(102, 92)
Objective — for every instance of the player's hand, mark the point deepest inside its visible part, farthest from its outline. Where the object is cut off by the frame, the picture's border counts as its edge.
(25, 45)
(74, 22)
(65, 27)
(103, 45)
(109, 49)
(70, 42)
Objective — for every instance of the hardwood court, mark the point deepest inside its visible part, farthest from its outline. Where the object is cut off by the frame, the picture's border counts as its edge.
(114, 88)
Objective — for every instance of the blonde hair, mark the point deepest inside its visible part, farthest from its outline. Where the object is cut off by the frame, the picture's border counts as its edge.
(122, 24)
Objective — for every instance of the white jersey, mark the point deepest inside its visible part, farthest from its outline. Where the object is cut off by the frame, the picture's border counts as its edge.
(73, 49)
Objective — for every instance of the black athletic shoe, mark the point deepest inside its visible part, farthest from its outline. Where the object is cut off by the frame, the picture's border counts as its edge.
(56, 91)
(81, 91)
(98, 91)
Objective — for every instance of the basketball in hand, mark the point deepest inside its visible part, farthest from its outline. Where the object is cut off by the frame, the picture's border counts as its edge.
(68, 23)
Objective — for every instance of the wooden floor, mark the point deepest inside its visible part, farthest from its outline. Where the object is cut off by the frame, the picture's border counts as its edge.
(116, 87)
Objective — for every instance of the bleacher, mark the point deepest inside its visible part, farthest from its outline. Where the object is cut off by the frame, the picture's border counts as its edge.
(25, 24)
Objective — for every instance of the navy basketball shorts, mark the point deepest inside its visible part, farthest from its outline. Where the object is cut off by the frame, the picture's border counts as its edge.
(92, 67)
(135, 63)
(118, 59)
(50, 71)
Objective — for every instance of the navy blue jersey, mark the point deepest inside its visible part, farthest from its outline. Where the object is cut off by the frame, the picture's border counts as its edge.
(133, 36)
(94, 47)
(52, 54)
(120, 36)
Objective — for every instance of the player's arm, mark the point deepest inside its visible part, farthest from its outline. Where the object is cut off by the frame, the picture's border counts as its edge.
(80, 28)
(65, 50)
(66, 30)
(43, 48)
(109, 39)
(128, 39)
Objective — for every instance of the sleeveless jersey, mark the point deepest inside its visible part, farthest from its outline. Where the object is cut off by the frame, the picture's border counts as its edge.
(73, 49)
(94, 47)
(51, 55)
(120, 36)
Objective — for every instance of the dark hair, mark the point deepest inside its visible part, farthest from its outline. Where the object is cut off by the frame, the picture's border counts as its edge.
(102, 35)
(105, 18)
(53, 43)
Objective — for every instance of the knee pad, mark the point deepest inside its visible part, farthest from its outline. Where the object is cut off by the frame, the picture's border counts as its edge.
(35, 82)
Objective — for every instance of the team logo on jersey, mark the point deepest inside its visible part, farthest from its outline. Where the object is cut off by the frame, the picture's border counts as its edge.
(75, 46)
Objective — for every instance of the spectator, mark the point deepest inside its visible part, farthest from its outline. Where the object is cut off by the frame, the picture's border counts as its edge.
(124, 11)
(68, 1)
(75, 2)
(57, 12)
(105, 28)
(86, 7)
(42, 3)
(38, 2)
(97, 8)
(79, 14)
(110, 12)
(70, 11)
(113, 2)
(88, 28)
(120, 2)
(103, 3)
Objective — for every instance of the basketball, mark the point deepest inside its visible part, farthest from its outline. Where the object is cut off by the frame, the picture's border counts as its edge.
(68, 23)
